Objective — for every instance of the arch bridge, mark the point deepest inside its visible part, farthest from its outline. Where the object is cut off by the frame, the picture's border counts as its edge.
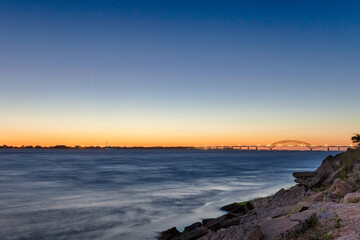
(292, 143)
(282, 143)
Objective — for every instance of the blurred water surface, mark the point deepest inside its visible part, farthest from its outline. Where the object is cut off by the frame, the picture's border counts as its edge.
(132, 194)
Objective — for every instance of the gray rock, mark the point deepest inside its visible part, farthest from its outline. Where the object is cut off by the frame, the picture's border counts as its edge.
(352, 198)
(303, 217)
(278, 227)
(353, 182)
(260, 202)
(249, 206)
(327, 166)
(195, 234)
(241, 232)
(302, 182)
(228, 223)
(356, 168)
(337, 163)
(169, 234)
(232, 206)
(278, 212)
(331, 197)
(192, 227)
(235, 208)
(302, 206)
(237, 221)
(303, 174)
(282, 201)
(206, 221)
(351, 236)
(283, 226)
(316, 197)
(214, 225)
(331, 177)
(341, 188)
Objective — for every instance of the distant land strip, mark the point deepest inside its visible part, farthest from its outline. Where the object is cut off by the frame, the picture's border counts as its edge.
(230, 147)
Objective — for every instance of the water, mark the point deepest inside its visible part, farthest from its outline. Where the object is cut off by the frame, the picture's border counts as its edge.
(132, 194)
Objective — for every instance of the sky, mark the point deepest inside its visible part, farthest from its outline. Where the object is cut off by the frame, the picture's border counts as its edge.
(148, 73)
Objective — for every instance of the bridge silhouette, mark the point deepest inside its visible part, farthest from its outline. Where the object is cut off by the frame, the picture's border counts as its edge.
(279, 144)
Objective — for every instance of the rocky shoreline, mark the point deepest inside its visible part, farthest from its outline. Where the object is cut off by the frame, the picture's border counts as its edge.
(324, 204)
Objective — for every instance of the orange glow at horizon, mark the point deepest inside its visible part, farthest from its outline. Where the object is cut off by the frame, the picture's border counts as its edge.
(19, 138)
(168, 129)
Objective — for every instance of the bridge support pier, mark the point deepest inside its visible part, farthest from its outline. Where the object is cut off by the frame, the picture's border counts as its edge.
(248, 148)
(339, 149)
(256, 148)
(328, 148)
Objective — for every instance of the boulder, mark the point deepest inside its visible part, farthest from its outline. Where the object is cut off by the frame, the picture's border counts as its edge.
(303, 174)
(341, 188)
(281, 192)
(318, 197)
(260, 202)
(350, 236)
(288, 197)
(192, 227)
(337, 163)
(302, 206)
(169, 234)
(278, 212)
(302, 182)
(356, 168)
(238, 208)
(254, 234)
(331, 177)
(348, 213)
(327, 166)
(310, 193)
(303, 217)
(211, 224)
(281, 226)
(228, 223)
(331, 197)
(354, 183)
(237, 221)
(249, 206)
(195, 234)
(352, 197)
(235, 208)
(230, 207)
(214, 224)
(357, 178)
(206, 221)
(282, 202)
(240, 232)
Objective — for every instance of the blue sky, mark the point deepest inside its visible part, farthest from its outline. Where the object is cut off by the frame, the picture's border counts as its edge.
(178, 72)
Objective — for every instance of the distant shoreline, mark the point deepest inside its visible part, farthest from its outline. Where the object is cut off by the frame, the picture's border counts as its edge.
(92, 147)
(63, 147)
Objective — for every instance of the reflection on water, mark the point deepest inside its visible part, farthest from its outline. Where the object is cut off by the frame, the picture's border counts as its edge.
(132, 194)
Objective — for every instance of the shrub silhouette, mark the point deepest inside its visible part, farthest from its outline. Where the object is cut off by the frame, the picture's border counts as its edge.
(356, 138)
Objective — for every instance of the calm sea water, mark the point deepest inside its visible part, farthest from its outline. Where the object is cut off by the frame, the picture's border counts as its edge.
(132, 194)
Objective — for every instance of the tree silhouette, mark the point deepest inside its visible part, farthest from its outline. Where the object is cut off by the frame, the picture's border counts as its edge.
(356, 138)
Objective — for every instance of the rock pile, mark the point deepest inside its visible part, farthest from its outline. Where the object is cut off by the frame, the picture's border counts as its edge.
(318, 207)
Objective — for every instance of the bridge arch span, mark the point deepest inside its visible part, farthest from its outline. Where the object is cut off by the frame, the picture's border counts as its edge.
(291, 143)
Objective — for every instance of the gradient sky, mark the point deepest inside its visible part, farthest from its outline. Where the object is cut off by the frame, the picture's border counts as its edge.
(179, 72)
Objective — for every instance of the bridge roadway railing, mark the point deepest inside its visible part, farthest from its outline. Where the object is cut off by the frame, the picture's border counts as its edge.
(271, 147)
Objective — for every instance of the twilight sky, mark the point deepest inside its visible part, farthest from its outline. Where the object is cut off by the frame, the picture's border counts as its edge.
(178, 72)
